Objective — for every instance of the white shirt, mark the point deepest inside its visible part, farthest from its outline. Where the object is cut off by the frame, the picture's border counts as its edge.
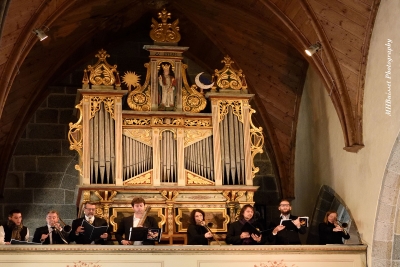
(135, 224)
(50, 233)
(89, 218)
(3, 235)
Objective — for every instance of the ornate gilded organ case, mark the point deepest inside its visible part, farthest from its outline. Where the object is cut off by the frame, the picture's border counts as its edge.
(165, 148)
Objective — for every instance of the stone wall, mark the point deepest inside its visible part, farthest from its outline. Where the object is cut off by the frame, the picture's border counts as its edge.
(42, 173)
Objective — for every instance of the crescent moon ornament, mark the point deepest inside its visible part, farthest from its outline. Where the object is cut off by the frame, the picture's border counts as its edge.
(200, 84)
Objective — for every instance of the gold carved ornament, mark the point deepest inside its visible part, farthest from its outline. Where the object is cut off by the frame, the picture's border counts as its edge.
(169, 195)
(101, 73)
(141, 179)
(193, 136)
(136, 122)
(138, 99)
(161, 121)
(257, 142)
(142, 135)
(198, 122)
(165, 32)
(236, 105)
(232, 195)
(194, 179)
(75, 137)
(229, 78)
(192, 100)
(95, 105)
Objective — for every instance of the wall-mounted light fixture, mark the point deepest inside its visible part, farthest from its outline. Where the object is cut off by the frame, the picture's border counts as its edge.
(40, 33)
(313, 49)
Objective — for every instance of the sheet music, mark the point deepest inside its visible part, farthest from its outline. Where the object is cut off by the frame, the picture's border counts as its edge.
(93, 232)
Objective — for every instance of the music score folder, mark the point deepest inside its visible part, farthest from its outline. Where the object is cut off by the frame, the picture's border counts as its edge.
(143, 233)
(93, 232)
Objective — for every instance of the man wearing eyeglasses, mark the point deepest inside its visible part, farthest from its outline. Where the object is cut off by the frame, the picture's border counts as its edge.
(286, 228)
(77, 233)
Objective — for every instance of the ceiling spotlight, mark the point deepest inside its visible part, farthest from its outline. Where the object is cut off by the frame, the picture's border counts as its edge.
(40, 33)
(313, 49)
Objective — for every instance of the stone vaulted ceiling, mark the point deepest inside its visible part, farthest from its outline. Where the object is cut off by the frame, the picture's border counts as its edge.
(265, 38)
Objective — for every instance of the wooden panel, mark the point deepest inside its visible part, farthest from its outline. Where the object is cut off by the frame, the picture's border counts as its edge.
(8, 40)
(285, 117)
(275, 99)
(350, 77)
(293, 9)
(347, 62)
(320, 6)
(359, 7)
(352, 53)
(326, 15)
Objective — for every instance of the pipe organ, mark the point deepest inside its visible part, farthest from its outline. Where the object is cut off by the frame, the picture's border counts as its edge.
(165, 148)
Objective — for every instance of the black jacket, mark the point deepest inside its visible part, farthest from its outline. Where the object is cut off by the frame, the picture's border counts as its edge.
(328, 236)
(8, 233)
(287, 236)
(55, 236)
(235, 230)
(195, 235)
(84, 239)
(127, 222)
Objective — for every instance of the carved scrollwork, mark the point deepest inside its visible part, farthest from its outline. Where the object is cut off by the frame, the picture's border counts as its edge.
(193, 100)
(229, 78)
(75, 137)
(198, 122)
(192, 136)
(257, 142)
(142, 179)
(169, 195)
(141, 135)
(233, 195)
(140, 98)
(167, 121)
(165, 32)
(193, 179)
(141, 121)
(102, 73)
(236, 106)
(95, 105)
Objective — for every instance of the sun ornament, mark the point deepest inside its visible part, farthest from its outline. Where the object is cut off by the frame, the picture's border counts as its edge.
(131, 79)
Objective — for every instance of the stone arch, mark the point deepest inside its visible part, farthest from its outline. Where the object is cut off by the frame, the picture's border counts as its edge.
(386, 239)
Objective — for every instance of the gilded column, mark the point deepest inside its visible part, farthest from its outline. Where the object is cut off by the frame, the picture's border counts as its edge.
(180, 155)
(118, 140)
(216, 142)
(86, 140)
(247, 142)
(156, 156)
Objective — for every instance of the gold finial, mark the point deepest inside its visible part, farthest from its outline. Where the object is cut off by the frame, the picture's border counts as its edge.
(229, 78)
(165, 32)
(102, 73)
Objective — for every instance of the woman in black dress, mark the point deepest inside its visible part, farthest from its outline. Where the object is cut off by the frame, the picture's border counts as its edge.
(238, 233)
(330, 232)
(196, 233)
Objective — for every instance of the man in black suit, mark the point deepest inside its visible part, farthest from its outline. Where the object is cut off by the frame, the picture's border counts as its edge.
(77, 233)
(289, 234)
(124, 227)
(52, 233)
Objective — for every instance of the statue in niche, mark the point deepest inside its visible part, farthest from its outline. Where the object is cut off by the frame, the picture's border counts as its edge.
(167, 87)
